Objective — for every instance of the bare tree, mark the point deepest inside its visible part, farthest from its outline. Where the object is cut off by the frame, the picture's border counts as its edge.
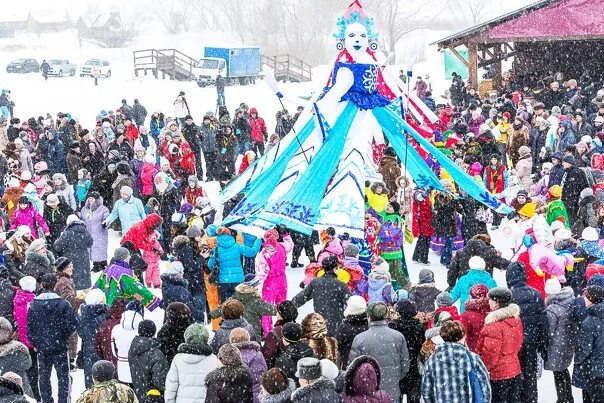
(471, 12)
(176, 16)
(109, 30)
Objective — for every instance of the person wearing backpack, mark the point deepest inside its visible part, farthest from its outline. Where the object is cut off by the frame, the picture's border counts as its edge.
(500, 342)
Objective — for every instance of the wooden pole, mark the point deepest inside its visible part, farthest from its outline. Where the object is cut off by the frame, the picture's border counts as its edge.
(473, 64)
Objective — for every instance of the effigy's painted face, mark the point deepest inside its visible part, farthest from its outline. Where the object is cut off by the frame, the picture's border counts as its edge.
(356, 40)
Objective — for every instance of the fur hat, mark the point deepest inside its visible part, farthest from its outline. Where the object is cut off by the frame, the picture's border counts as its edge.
(229, 355)
(377, 311)
(552, 286)
(196, 334)
(52, 200)
(406, 309)
(95, 297)
(61, 263)
(444, 299)
(588, 234)
(501, 295)
(426, 276)
(524, 151)
(314, 326)
(28, 283)
(351, 250)
(292, 332)
(121, 254)
(147, 328)
(103, 371)
(274, 381)
(477, 263)
(37, 245)
(175, 268)
(232, 309)
(308, 368)
(356, 306)
(288, 311)
(6, 330)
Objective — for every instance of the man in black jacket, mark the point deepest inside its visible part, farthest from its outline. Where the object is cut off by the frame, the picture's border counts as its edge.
(148, 364)
(139, 113)
(573, 183)
(475, 247)
(191, 133)
(50, 323)
(535, 325)
(295, 349)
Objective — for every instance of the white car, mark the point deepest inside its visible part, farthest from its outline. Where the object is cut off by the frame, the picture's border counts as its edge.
(61, 67)
(98, 67)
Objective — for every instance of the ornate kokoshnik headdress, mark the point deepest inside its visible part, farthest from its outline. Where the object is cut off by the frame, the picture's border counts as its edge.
(355, 14)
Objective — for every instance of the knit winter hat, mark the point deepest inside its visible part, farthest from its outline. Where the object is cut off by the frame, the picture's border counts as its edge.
(351, 250)
(102, 371)
(528, 210)
(95, 297)
(594, 293)
(556, 225)
(381, 267)
(586, 193)
(196, 334)
(329, 370)
(6, 330)
(479, 291)
(251, 280)
(477, 263)
(147, 328)
(193, 232)
(555, 191)
(52, 199)
(271, 237)
(356, 306)
(308, 368)
(444, 299)
(121, 254)
(288, 311)
(274, 381)
(127, 190)
(314, 326)
(232, 309)
(175, 268)
(223, 231)
(426, 276)
(28, 283)
(37, 245)
(292, 332)
(229, 355)
(552, 286)
(501, 295)
(377, 311)
(588, 234)
(563, 234)
(239, 335)
(569, 159)
(406, 309)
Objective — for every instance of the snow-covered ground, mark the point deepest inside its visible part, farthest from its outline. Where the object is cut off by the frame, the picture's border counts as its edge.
(79, 97)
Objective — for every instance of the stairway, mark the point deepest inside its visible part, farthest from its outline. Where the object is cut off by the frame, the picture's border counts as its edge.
(288, 68)
(169, 62)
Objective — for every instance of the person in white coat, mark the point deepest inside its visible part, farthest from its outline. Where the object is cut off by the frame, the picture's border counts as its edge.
(121, 339)
(186, 380)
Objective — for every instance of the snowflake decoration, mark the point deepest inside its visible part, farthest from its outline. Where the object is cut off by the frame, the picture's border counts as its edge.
(370, 78)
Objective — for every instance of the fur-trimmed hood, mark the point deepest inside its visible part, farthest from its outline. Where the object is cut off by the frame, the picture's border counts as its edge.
(180, 240)
(501, 314)
(565, 297)
(13, 347)
(321, 384)
(283, 396)
(246, 289)
(247, 345)
(36, 258)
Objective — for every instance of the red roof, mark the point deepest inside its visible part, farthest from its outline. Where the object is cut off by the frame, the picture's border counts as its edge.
(564, 19)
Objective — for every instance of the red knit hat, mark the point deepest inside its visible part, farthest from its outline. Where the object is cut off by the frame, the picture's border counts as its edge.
(223, 231)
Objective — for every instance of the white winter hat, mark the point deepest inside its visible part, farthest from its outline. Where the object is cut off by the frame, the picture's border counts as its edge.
(328, 369)
(556, 225)
(149, 159)
(14, 182)
(477, 263)
(175, 268)
(590, 234)
(552, 286)
(26, 175)
(563, 234)
(95, 297)
(381, 266)
(72, 218)
(356, 306)
(547, 165)
(28, 283)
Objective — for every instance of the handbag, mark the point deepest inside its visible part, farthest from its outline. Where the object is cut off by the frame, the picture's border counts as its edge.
(214, 276)
(475, 388)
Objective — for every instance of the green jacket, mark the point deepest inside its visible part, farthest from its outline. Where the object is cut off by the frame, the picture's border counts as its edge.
(119, 281)
(555, 210)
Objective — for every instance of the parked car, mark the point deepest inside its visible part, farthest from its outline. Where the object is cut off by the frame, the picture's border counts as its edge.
(92, 65)
(23, 66)
(61, 67)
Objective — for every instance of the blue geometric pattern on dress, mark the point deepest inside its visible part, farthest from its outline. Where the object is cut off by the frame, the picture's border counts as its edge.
(259, 189)
(298, 209)
(463, 180)
(323, 124)
(363, 92)
(421, 174)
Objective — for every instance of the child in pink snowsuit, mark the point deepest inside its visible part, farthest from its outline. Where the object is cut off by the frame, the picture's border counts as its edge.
(21, 300)
(152, 258)
(333, 246)
(270, 269)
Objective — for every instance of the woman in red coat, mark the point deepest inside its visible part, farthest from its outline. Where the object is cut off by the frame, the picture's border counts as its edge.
(476, 310)
(499, 344)
(258, 133)
(422, 225)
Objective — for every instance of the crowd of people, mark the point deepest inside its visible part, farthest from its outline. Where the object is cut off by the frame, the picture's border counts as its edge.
(67, 301)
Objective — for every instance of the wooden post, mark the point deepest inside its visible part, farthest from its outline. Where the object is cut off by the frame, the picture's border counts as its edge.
(497, 78)
(473, 64)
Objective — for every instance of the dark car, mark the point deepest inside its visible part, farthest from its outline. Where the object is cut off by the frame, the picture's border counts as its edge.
(23, 66)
